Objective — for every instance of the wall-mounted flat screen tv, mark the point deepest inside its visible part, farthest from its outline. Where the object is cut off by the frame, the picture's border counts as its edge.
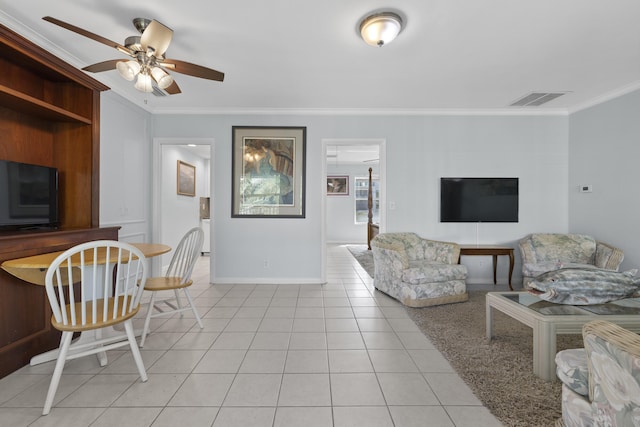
(28, 195)
(478, 199)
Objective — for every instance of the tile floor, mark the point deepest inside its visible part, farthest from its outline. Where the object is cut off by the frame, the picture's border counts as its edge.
(338, 354)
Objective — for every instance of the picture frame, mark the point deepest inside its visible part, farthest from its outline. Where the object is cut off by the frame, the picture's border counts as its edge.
(268, 172)
(338, 185)
(186, 179)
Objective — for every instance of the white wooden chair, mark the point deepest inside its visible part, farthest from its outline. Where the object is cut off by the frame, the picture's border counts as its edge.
(107, 280)
(177, 277)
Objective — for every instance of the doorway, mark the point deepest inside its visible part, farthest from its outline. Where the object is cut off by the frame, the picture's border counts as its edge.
(350, 159)
(174, 212)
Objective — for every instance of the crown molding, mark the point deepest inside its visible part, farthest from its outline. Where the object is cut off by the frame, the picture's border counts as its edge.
(606, 97)
(364, 111)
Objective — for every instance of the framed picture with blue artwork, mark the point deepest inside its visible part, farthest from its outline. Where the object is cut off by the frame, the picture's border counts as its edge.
(268, 172)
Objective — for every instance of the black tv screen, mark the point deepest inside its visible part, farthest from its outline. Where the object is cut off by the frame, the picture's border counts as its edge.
(478, 199)
(28, 195)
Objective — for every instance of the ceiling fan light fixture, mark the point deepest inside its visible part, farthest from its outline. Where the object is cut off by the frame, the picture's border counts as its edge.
(143, 83)
(146, 53)
(381, 28)
(128, 69)
(161, 77)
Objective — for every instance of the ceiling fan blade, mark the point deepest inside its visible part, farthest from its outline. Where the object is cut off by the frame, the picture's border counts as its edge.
(158, 36)
(102, 66)
(89, 34)
(194, 70)
(173, 88)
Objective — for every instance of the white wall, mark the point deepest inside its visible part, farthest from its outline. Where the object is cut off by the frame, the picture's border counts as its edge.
(420, 150)
(604, 150)
(552, 156)
(125, 168)
(340, 219)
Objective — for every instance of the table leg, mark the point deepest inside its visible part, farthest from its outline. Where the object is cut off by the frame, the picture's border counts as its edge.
(510, 269)
(544, 350)
(495, 263)
(489, 321)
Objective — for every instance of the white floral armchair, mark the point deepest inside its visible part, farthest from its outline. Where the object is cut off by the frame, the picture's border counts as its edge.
(543, 252)
(601, 383)
(418, 272)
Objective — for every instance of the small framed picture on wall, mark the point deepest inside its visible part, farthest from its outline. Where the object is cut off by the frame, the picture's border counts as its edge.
(186, 179)
(337, 185)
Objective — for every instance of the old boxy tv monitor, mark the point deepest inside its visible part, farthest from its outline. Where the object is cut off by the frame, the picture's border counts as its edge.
(28, 196)
(478, 199)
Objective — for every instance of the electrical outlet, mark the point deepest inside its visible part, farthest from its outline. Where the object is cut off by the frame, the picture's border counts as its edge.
(266, 263)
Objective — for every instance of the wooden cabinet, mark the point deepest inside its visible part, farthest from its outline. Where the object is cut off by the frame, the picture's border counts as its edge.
(49, 116)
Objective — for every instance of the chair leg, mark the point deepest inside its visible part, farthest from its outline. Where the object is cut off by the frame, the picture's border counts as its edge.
(102, 356)
(65, 342)
(147, 320)
(178, 302)
(193, 307)
(128, 326)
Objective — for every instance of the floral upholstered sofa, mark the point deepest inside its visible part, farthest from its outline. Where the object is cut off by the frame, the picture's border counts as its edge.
(418, 272)
(601, 382)
(547, 252)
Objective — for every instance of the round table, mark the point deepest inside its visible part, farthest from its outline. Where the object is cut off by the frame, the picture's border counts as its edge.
(33, 269)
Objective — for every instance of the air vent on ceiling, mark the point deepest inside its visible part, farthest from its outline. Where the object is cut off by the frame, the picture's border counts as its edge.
(535, 99)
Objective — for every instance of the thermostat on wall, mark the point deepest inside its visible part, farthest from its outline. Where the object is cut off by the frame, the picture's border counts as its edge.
(586, 188)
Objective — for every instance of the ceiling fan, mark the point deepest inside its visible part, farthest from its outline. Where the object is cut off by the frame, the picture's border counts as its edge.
(148, 65)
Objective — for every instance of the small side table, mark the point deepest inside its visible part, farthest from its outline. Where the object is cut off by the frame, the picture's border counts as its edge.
(492, 250)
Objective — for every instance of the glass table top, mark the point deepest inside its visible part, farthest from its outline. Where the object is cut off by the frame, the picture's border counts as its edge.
(624, 306)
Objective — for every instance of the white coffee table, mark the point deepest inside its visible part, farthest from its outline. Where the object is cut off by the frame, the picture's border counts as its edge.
(548, 320)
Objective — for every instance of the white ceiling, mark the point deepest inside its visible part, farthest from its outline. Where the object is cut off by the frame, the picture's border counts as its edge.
(286, 55)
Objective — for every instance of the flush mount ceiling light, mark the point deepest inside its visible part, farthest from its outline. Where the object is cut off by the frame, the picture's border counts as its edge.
(380, 28)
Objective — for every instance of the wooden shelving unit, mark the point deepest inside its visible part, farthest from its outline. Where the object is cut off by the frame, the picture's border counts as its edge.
(50, 116)
(38, 108)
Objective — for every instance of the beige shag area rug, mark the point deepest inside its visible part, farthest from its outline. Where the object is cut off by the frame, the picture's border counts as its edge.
(499, 372)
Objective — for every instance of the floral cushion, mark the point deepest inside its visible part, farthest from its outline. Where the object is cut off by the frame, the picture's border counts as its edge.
(612, 356)
(571, 368)
(434, 291)
(568, 248)
(615, 382)
(438, 252)
(420, 273)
